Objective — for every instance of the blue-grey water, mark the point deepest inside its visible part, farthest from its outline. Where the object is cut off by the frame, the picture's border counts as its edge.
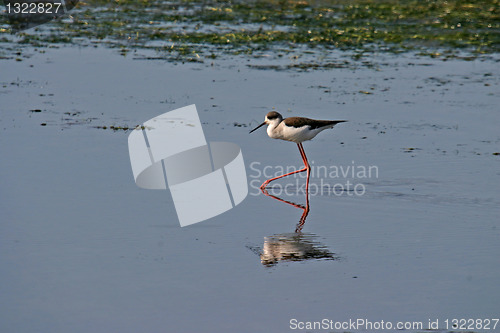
(83, 249)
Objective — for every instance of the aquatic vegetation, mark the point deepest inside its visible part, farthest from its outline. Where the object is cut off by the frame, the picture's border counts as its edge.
(185, 30)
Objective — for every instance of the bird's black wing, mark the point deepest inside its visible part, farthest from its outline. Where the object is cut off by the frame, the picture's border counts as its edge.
(313, 123)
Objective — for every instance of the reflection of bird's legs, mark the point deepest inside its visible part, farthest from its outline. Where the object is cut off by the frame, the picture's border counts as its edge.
(305, 168)
(305, 208)
(302, 220)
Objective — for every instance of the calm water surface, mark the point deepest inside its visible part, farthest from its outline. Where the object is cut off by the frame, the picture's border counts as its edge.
(84, 250)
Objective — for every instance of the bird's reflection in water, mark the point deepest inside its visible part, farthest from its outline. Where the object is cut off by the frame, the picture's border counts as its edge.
(297, 246)
(293, 247)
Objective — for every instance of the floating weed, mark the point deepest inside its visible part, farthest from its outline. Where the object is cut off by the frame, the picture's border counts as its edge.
(125, 128)
(115, 128)
(303, 66)
(409, 150)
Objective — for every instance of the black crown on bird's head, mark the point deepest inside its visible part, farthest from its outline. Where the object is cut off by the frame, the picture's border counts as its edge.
(273, 115)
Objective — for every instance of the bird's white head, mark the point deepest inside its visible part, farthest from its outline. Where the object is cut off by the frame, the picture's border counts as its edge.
(273, 119)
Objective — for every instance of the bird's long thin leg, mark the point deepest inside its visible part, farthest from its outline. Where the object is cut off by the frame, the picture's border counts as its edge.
(306, 168)
(306, 164)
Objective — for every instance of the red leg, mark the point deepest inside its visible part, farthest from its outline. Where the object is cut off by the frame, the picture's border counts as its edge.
(306, 168)
(306, 164)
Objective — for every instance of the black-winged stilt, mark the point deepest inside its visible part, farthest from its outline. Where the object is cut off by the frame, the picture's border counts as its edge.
(295, 129)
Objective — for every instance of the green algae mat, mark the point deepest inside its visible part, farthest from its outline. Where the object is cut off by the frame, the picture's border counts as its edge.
(202, 30)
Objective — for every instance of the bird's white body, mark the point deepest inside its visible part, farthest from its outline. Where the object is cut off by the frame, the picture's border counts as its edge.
(277, 129)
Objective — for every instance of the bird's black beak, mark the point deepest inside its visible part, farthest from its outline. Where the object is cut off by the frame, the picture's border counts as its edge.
(256, 128)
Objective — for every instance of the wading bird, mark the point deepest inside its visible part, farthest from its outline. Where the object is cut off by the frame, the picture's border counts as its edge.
(295, 129)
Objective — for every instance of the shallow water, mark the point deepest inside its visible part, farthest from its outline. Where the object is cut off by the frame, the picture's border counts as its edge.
(85, 250)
